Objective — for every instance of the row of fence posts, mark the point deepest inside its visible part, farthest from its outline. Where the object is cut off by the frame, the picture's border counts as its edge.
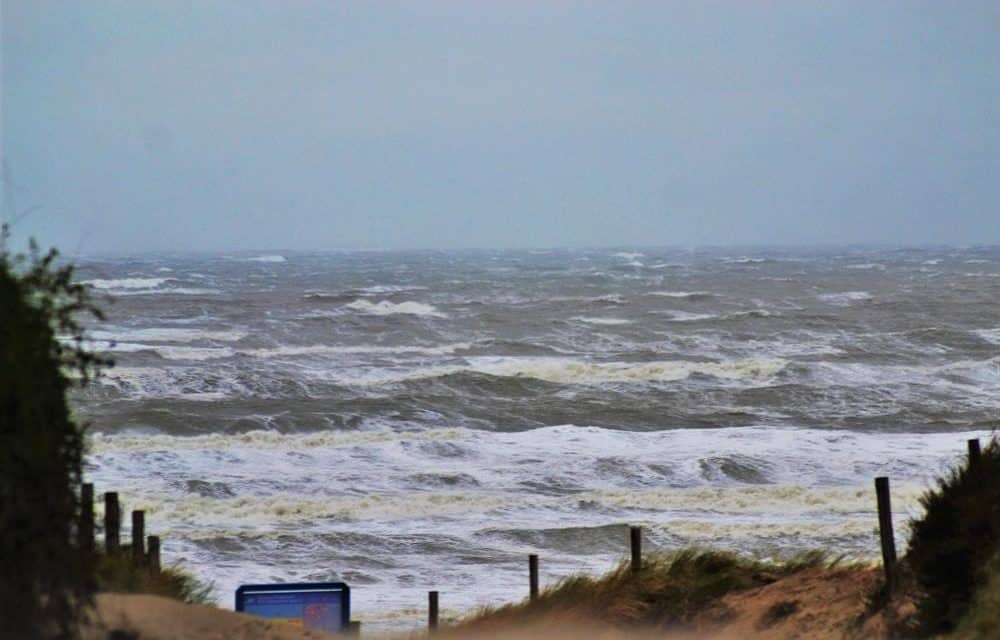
(145, 549)
(886, 538)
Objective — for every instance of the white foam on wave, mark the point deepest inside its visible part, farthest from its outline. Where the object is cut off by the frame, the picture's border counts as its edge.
(844, 298)
(630, 256)
(127, 283)
(173, 352)
(569, 371)
(273, 258)
(682, 294)
(385, 308)
(866, 266)
(167, 334)
(104, 443)
(319, 349)
(743, 260)
(611, 322)
(684, 316)
(390, 288)
(990, 335)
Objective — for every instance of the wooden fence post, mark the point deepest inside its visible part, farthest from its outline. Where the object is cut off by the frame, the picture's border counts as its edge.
(886, 536)
(635, 537)
(138, 537)
(153, 554)
(975, 452)
(112, 522)
(432, 610)
(85, 534)
(533, 577)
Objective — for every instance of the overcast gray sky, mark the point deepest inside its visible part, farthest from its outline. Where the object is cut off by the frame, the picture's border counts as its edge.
(223, 125)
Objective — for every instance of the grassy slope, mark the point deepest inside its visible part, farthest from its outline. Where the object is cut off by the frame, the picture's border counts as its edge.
(668, 592)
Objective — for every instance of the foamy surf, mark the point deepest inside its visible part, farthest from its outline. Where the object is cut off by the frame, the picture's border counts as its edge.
(387, 308)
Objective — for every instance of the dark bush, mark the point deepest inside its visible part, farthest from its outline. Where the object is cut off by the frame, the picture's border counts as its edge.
(952, 544)
(46, 582)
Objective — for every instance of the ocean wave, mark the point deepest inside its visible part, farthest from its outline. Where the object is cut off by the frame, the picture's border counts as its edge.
(195, 515)
(177, 291)
(273, 258)
(844, 298)
(566, 371)
(171, 352)
(630, 256)
(385, 308)
(784, 500)
(688, 295)
(319, 349)
(127, 283)
(685, 316)
(866, 266)
(104, 443)
(166, 334)
(603, 321)
(990, 335)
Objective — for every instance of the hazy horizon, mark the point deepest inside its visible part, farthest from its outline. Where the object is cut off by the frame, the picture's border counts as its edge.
(189, 127)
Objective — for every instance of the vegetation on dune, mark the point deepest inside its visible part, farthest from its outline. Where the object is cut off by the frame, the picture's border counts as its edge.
(954, 546)
(46, 581)
(119, 574)
(669, 590)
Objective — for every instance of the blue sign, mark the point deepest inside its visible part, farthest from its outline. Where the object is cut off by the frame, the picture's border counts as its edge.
(324, 606)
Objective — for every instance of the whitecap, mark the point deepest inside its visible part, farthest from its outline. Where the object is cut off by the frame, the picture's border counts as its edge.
(844, 298)
(166, 334)
(569, 371)
(127, 283)
(691, 295)
(603, 321)
(385, 308)
(275, 258)
(866, 266)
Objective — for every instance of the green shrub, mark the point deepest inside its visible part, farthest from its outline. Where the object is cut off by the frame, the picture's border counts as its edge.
(951, 545)
(46, 582)
(982, 620)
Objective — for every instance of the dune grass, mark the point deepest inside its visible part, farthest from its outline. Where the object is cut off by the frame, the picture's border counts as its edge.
(669, 590)
(119, 574)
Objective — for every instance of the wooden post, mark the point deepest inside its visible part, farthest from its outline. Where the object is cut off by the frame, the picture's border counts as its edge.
(533, 576)
(354, 628)
(975, 452)
(153, 555)
(112, 522)
(85, 534)
(432, 610)
(138, 537)
(635, 536)
(885, 531)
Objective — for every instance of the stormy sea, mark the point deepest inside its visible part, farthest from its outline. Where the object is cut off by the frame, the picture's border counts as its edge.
(408, 421)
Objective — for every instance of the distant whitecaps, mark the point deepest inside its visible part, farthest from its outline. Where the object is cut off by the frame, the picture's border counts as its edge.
(844, 298)
(690, 295)
(684, 316)
(385, 308)
(603, 321)
(866, 266)
(268, 258)
(127, 283)
(166, 334)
